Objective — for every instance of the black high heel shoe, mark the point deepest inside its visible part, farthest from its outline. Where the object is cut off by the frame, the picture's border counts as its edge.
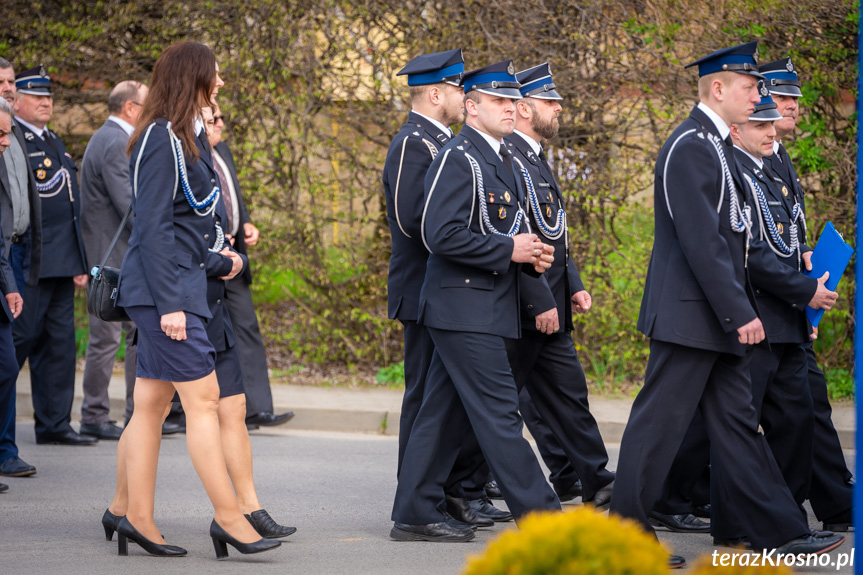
(221, 538)
(267, 527)
(110, 522)
(125, 530)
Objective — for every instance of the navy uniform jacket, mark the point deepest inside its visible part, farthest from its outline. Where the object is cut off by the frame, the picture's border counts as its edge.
(784, 174)
(781, 291)
(408, 159)
(471, 284)
(696, 293)
(220, 331)
(62, 245)
(556, 286)
(240, 239)
(165, 264)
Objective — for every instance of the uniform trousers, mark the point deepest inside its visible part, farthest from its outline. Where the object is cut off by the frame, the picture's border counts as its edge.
(45, 333)
(250, 346)
(688, 481)
(830, 491)
(469, 471)
(101, 352)
(548, 366)
(561, 473)
(469, 384)
(679, 380)
(8, 377)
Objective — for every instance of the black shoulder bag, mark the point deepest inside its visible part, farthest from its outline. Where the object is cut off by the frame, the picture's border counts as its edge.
(102, 299)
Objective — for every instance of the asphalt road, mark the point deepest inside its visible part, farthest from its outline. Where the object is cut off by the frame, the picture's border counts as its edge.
(337, 488)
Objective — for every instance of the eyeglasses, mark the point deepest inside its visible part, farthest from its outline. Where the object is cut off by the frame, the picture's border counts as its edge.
(219, 117)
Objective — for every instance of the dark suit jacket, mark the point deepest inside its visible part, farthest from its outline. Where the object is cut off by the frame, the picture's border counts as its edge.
(62, 245)
(240, 239)
(697, 292)
(7, 283)
(35, 231)
(555, 287)
(166, 260)
(106, 192)
(781, 291)
(408, 159)
(471, 284)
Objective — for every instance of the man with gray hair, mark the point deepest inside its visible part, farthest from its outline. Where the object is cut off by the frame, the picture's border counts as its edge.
(106, 193)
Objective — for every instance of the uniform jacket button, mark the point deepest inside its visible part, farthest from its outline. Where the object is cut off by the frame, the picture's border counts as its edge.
(202, 265)
(467, 280)
(206, 236)
(218, 302)
(728, 320)
(213, 182)
(794, 305)
(530, 306)
(758, 291)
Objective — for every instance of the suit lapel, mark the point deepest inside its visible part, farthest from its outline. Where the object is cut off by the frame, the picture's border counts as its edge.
(490, 156)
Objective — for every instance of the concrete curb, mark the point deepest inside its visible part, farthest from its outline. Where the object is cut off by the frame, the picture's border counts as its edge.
(378, 410)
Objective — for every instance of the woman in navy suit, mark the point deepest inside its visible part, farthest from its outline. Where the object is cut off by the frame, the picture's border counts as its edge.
(163, 286)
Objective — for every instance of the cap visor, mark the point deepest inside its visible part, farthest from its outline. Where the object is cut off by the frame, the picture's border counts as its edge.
(550, 95)
(766, 116)
(511, 93)
(33, 92)
(792, 91)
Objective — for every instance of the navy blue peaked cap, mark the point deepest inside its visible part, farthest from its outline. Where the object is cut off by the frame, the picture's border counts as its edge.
(434, 68)
(781, 77)
(765, 110)
(34, 81)
(742, 59)
(536, 82)
(494, 79)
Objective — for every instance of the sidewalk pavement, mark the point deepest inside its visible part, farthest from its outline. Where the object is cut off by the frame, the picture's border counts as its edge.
(378, 410)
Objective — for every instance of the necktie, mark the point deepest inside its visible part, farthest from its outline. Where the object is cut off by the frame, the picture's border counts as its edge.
(544, 162)
(226, 194)
(506, 156)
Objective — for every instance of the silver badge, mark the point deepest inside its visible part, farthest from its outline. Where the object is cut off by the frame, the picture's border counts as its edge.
(416, 133)
(28, 135)
(764, 91)
(548, 67)
(460, 147)
(510, 70)
(42, 71)
(789, 66)
(755, 57)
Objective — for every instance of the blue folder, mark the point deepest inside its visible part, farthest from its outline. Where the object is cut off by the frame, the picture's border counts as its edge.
(831, 254)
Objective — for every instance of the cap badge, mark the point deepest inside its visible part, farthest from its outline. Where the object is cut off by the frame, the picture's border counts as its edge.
(785, 191)
(42, 71)
(506, 196)
(548, 68)
(48, 163)
(510, 70)
(40, 174)
(780, 227)
(789, 66)
(764, 91)
(755, 57)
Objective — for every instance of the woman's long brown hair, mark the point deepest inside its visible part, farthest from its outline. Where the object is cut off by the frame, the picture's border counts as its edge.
(183, 79)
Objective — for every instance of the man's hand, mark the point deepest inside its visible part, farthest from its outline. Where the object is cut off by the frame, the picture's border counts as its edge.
(547, 322)
(823, 298)
(80, 281)
(527, 249)
(230, 238)
(814, 335)
(16, 303)
(581, 302)
(236, 263)
(751, 333)
(251, 234)
(174, 325)
(807, 260)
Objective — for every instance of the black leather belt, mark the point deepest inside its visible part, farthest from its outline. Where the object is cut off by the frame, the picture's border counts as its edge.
(15, 239)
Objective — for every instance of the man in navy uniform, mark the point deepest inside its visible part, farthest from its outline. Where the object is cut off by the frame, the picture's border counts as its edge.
(831, 489)
(544, 361)
(697, 310)
(10, 308)
(472, 226)
(45, 331)
(436, 103)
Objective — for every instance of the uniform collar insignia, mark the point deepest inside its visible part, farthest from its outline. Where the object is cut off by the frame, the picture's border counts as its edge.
(28, 135)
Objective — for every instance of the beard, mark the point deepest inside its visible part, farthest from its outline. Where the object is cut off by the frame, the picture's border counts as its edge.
(546, 129)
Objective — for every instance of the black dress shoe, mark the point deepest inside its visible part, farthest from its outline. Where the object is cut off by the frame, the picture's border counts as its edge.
(66, 438)
(268, 419)
(453, 522)
(702, 511)
(492, 490)
(461, 509)
(676, 562)
(221, 538)
(437, 532)
(104, 430)
(842, 522)
(571, 492)
(733, 542)
(16, 467)
(170, 428)
(484, 508)
(126, 530)
(110, 523)
(3, 487)
(810, 545)
(602, 498)
(682, 523)
(267, 527)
